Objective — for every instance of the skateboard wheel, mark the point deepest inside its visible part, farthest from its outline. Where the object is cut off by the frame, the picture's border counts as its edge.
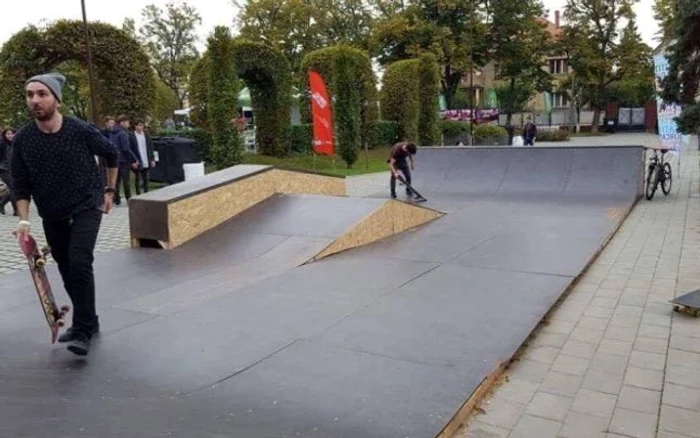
(40, 263)
(45, 250)
(61, 322)
(65, 308)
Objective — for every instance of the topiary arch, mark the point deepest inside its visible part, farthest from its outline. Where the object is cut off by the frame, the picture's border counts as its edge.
(124, 80)
(267, 74)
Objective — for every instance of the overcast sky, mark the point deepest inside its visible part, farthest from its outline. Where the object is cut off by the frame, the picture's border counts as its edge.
(18, 13)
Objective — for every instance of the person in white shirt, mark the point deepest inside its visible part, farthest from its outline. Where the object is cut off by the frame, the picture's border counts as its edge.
(145, 156)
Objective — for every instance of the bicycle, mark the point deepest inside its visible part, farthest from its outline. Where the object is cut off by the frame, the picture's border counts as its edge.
(658, 172)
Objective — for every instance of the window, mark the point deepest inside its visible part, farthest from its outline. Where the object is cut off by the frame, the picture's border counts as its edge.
(560, 100)
(557, 66)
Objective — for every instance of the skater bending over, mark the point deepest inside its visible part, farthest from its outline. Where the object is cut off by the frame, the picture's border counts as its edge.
(54, 164)
(400, 152)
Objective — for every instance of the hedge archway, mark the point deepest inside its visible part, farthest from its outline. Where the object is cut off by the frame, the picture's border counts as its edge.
(268, 75)
(124, 80)
(322, 61)
(410, 97)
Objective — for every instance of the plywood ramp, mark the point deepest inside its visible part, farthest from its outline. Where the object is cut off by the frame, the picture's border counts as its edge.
(392, 217)
(171, 216)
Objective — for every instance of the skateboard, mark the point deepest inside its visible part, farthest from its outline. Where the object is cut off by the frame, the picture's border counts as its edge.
(419, 197)
(688, 303)
(36, 259)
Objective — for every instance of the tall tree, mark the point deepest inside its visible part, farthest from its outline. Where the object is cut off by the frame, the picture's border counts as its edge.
(682, 84)
(664, 13)
(636, 87)
(454, 30)
(289, 26)
(520, 43)
(594, 30)
(170, 37)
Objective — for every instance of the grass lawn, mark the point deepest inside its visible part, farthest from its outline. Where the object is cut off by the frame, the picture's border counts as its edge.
(373, 161)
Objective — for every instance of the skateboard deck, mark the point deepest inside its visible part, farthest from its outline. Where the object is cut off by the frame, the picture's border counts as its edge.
(36, 259)
(419, 197)
(688, 303)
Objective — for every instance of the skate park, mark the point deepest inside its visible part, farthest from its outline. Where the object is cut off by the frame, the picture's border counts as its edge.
(262, 303)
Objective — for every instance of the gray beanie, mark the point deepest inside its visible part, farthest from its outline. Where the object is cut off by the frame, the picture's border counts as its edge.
(54, 81)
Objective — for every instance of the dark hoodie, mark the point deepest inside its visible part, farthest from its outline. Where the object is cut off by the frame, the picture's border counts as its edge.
(120, 137)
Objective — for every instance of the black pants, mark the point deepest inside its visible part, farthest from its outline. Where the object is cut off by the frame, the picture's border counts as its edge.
(72, 243)
(123, 177)
(141, 181)
(403, 167)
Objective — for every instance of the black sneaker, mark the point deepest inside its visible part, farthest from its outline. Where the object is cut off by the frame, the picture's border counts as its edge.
(80, 345)
(69, 334)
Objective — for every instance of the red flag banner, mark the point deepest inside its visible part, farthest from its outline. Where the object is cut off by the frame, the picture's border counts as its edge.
(321, 111)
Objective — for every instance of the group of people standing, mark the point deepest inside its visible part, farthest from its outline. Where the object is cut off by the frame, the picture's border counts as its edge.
(135, 154)
(6, 197)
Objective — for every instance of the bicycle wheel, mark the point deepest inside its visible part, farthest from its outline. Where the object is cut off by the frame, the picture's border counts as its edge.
(652, 181)
(667, 179)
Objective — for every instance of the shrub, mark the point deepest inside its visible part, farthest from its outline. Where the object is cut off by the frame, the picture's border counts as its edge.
(488, 134)
(454, 131)
(322, 62)
(382, 133)
(429, 103)
(558, 135)
(301, 138)
(347, 85)
(227, 146)
(400, 101)
(410, 97)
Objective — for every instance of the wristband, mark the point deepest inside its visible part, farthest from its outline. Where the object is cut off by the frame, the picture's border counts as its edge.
(24, 223)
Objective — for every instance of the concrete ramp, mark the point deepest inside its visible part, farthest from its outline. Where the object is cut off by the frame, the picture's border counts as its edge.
(532, 172)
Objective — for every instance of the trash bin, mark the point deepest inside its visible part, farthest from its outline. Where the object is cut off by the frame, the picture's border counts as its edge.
(171, 154)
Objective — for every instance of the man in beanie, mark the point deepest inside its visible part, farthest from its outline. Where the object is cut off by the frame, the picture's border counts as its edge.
(54, 164)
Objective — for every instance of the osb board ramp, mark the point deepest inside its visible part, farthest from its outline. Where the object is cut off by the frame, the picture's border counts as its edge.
(391, 218)
(178, 214)
(500, 370)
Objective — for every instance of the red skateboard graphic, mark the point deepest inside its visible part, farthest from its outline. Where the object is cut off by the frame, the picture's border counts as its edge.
(36, 259)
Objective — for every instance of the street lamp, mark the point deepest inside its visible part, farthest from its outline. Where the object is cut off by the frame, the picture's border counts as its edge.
(91, 82)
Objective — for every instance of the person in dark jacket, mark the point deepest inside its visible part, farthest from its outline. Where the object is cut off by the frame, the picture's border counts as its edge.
(143, 145)
(5, 174)
(53, 164)
(127, 157)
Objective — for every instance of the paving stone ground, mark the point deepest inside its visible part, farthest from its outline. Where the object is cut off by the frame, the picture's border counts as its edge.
(614, 360)
(114, 234)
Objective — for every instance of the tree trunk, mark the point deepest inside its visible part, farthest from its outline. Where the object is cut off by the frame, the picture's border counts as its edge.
(596, 119)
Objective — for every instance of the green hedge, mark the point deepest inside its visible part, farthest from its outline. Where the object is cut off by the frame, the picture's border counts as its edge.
(268, 75)
(301, 138)
(227, 145)
(410, 96)
(322, 62)
(400, 101)
(381, 134)
(558, 135)
(126, 82)
(429, 92)
(199, 92)
(488, 134)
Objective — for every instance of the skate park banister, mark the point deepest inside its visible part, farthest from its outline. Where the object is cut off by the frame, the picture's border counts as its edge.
(173, 215)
